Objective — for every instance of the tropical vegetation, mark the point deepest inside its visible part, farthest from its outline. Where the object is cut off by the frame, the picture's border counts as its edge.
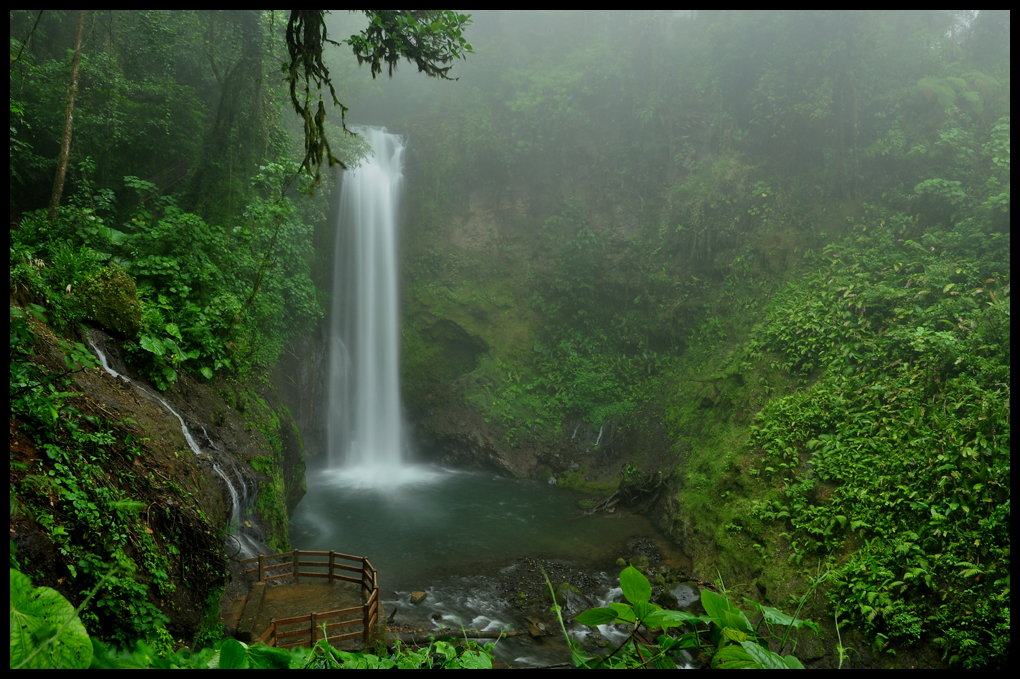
(768, 251)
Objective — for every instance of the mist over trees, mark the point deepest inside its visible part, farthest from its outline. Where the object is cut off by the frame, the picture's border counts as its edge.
(699, 206)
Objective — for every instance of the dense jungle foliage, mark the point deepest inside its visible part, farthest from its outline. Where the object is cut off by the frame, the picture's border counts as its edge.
(770, 248)
(186, 231)
(783, 238)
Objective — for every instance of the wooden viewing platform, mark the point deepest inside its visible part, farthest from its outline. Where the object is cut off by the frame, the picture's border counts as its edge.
(306, 630)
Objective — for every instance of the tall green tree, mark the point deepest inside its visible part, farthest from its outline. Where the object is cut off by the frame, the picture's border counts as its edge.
(65, 139)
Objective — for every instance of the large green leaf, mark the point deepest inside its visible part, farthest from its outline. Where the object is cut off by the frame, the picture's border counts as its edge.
(765, 658)
(723, 613)
(268, 658)
(777, 617)
(733, 658)
(664, 619)
(596, 616)
(233, 655)
(623, 611)
(37, 614)
(635, 585)
(152, 344)
(475, 660)
(643, 609)
(113, 235)
(730, 635)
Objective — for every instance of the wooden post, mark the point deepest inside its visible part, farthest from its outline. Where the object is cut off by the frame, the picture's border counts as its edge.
(296, 556)
(366, 624)
(380, 614)
(364, 576)
(272, 635)
(311, 632)
(366, 616)
(262, 569)
(332, 560)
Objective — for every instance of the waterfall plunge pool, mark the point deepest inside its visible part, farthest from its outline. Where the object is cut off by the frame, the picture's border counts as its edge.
(469, 539)
(459, 523)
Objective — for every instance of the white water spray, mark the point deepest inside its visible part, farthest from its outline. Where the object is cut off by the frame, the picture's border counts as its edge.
(365, 426)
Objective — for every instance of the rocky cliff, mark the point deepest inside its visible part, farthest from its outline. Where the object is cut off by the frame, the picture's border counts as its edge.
(177, 518)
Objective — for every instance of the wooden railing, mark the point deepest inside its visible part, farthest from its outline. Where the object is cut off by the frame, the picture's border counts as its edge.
(289, 564)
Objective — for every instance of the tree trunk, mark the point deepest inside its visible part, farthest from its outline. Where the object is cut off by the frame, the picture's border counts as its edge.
(841, 132)
(65, 140)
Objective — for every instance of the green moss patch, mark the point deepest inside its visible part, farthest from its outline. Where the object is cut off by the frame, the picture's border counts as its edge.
(110, 298)
(272, 503)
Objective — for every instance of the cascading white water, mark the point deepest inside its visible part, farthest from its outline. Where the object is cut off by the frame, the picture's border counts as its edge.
(365, 427)
(248, 545)
(189, 439)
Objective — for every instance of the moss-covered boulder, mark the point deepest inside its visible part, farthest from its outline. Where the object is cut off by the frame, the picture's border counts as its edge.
(110, 298)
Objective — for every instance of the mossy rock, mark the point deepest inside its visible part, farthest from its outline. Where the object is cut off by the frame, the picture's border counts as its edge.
(640, 563)
(563, 590)
(110, 298)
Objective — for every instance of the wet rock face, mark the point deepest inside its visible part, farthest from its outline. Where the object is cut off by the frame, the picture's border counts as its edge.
(456, 434)
(253, 443)
(459, 351)
(249, 435)
(300, 378)
(148, 461)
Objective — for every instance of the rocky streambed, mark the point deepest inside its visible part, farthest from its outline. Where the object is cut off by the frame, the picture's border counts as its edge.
(517, 597)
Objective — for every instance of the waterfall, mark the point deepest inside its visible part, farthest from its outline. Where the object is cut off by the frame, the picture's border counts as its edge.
(247, 545)
(105, 362)
(242, 531)
(365, 426)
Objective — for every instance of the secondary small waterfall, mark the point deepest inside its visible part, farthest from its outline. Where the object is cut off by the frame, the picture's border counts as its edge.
(365, 427)
(242, 531)
(105, 362)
